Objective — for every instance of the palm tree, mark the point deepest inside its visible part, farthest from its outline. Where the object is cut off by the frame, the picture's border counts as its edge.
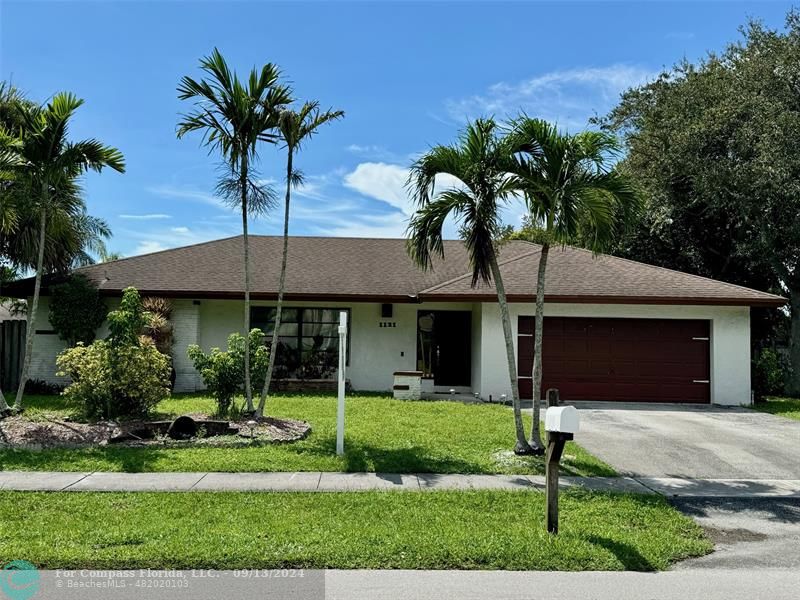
(234, 117)
(481, 162)
(106, 256)
(295, 127)
(47, 173)
(571, 191)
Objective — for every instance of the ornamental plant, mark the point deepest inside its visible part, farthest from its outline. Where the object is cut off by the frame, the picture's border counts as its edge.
(123, 376)
(223, 372)
(76, 310)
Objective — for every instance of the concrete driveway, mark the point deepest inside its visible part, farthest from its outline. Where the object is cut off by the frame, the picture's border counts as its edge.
(660, 440)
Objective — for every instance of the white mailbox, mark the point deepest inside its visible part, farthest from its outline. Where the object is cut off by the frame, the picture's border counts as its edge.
(563, 419)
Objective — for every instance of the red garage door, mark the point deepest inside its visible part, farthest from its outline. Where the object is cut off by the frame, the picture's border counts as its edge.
(639, 360)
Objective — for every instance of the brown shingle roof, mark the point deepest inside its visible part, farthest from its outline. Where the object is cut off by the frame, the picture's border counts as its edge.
(380, 270)
(576, 275)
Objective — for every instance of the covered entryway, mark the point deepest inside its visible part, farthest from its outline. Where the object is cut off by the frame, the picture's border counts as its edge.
(632, 360)
(443, 346)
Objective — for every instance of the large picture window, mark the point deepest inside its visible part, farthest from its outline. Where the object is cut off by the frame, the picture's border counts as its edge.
(308, 340)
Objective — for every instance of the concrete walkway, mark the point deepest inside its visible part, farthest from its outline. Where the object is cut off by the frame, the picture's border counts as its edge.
(346, 482)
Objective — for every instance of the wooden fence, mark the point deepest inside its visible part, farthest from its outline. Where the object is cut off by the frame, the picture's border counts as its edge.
(12, 348)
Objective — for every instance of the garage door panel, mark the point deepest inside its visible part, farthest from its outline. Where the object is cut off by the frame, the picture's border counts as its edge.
(648, 360)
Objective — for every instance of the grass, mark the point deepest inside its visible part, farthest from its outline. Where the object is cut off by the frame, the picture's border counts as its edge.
(396, 530)
(784, 407)
(382, 434)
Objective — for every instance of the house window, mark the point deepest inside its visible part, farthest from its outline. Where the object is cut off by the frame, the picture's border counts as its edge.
(308, 340)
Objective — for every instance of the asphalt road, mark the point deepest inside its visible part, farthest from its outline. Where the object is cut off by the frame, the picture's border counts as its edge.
(748, 534)
(500, 585)
(696, 584)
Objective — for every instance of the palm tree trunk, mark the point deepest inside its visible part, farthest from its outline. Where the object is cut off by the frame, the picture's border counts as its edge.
(248, 390)
(536, 438)
(522, 446)
(273, 348)
(34, 307)
(5, 410)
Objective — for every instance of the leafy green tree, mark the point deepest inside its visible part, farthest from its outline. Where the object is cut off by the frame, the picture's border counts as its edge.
(714, 145)
(480, 161)
(48, 167)
(223, 371)
(295, 127)
(234, 116)
(122, 376)
(570, 191)
(76, 309)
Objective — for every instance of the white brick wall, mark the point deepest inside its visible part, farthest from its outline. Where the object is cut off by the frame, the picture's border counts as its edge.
(414, 383)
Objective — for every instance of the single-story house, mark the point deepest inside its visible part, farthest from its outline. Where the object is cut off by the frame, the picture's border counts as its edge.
(615, 329)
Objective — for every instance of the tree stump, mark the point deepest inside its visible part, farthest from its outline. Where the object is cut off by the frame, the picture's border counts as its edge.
(182, 428)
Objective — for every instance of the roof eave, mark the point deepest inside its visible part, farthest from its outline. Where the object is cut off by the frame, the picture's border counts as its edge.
(768, 302)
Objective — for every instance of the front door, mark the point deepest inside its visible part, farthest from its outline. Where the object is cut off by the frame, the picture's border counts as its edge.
(444, 346)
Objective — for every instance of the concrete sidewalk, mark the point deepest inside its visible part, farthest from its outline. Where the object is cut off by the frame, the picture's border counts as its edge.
(346, 482)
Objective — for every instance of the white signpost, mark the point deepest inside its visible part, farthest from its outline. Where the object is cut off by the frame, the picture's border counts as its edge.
(342, 363)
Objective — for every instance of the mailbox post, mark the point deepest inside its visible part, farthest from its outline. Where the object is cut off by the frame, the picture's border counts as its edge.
(561, 424)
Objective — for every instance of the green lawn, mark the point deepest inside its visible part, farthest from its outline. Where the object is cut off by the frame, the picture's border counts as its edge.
(784, 407)
(382, 434)
(398, 530)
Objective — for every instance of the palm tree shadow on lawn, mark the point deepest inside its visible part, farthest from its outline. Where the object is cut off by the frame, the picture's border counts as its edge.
(630, 558)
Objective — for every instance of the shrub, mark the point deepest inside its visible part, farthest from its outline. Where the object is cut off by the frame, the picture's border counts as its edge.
(76, 310)
(769, 373)
(223, 371)
(122, 376)
(40, 386)
(158, 327)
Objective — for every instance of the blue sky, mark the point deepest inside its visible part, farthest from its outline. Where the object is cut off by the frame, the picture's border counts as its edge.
(407, 74)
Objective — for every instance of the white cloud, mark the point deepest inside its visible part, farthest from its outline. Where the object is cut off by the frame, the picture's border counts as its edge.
(185, 193)
(148, 246)
(381, 181)
(368, 149)
(387, 182)
(392, 225)
(165, 238)
(146, 217)
(569, 97)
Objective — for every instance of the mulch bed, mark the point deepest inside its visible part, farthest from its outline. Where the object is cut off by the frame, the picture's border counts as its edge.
(20, 432)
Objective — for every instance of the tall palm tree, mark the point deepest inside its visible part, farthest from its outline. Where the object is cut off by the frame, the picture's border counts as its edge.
(47, 173)
(480, 161)
(234, 116)
(295, 127)
(571, 190)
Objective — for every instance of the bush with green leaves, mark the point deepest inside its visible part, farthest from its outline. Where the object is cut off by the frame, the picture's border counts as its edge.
(770, 371)
(76, 309)
(223, 371)
(123, 376)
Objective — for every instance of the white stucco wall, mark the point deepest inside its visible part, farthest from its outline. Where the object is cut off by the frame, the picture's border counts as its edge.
(375, 352)
(730, 342)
